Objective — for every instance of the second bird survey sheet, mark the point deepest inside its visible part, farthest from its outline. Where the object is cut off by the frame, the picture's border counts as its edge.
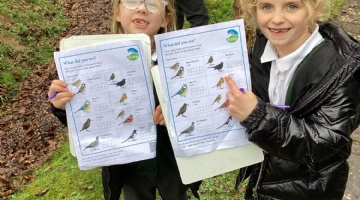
(192, 65)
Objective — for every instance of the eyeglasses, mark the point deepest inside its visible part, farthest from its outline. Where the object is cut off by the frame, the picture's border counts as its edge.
(150, 5)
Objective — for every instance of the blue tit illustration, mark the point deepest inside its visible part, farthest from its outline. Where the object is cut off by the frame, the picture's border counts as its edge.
(179, 73)
(112, 77)
(174, 66)
(182, 110)
(188, 130)
(227, 122)
(82, 89)
(182, 92)
(86, 125)
(217, 99)
(93, 144)
(132, 136)
(120, 83)
(220, 83)
(85, 107)
(218, 66)
(121, 114)
(211, 59)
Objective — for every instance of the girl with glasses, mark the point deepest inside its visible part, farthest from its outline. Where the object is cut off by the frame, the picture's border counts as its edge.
(138, 180)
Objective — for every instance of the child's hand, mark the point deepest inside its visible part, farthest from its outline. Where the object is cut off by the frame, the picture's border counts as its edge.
(158, 116)
(241, 104)
(62, 96)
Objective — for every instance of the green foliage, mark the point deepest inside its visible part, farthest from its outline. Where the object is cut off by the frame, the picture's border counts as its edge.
(27, 32)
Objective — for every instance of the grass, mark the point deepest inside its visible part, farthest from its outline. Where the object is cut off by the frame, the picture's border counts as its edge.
(27, 31)
(33, 24)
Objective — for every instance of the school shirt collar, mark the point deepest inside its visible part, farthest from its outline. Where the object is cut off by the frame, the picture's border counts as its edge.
(284, 63)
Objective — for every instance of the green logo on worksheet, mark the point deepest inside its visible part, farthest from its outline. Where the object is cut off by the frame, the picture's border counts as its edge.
(233, 36)
(134, 54)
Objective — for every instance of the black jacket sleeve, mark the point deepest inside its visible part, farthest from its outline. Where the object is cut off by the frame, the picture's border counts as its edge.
(60, 114)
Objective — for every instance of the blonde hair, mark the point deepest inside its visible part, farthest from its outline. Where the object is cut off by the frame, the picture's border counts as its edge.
(318, 10)
(168, 16)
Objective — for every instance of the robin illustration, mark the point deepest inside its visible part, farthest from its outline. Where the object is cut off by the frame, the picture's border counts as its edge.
(220, 83)
(123, 99)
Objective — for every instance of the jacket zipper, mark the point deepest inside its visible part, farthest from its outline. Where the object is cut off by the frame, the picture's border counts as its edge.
(255, 194)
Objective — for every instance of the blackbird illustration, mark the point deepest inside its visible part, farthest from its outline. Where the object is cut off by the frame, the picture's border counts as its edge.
(120, 83)
(218, 66)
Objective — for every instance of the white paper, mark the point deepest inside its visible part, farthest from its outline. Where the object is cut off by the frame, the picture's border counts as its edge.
(109, 72)
(196, 60)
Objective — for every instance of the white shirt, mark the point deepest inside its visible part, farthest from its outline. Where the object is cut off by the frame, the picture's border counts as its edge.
(282, 69)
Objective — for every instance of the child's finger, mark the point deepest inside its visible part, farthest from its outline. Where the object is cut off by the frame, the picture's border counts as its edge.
(231, 84)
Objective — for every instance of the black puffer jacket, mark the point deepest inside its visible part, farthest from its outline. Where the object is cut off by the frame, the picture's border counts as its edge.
(306, 147)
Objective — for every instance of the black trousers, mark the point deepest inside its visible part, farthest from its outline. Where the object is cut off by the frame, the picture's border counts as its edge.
(194, 10)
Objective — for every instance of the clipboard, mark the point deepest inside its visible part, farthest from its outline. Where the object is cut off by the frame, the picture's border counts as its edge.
(210, 164)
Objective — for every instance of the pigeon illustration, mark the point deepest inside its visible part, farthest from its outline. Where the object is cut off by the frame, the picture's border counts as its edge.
(86, 125)
(128, 120)
(120, 83)
(112, 77)
(93, 145)
(224, 105)
(122, 99)
(121, 114)
(179, 73)
(85, 107)
(227, 122)
(132, 136)
(76, 83)
(182, 110)
(220, 83)
(174, 66)
(211, 59)
(189, 130)
(217, 99)
(218, 66)
(182, 91)
(82, 89)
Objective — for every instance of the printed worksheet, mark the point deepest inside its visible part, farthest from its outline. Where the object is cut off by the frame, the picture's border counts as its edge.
(192, 66)
(110, 116)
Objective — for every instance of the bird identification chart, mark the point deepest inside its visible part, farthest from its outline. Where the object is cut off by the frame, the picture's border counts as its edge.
(110, 116)
(192, 66)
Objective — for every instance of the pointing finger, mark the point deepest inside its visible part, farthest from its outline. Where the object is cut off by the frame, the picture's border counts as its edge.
(231, 84)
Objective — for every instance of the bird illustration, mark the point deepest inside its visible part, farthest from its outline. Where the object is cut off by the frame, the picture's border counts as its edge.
(120, 83)
(182, 92)
(128, 120)
(224, 105)
(182, 110)
(121, 114)
(86, 125)
(112, 77)
(76, 83)
(218, 66)
(93, 144)
(217, 99)
(85, 107)
(174, 66)
(123, 99)
(82, 89)
(179, 73)
(227, 122)
(132, 136)
(211, 59)
(220, 83)
(188, 130)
